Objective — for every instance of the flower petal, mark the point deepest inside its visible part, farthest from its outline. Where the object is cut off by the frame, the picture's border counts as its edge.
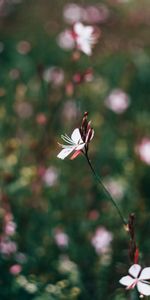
(75, 154)
(79, 28)
(88, 30)
(65, 152)
(135, 270)
(80, 146)
(85, 47)
(127, 280)
(145, 274)
(143, 288)
(76, 136)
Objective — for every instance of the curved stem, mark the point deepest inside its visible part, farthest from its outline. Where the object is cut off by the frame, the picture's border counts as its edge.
(106, 192)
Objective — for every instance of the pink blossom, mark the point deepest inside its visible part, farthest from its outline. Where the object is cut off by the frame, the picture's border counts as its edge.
(101, 240)
(10, 228)
(50, 177)
(14, 74)
(143, 150)
(118, 101)
(70, 110)
(95, 14)
(23, 109)
(7, 247)
(15, 269)
(72, 13)
(55, 75)
(66, 40)
(61, 238)
(93, 215)
(23, 47)
(41, 119)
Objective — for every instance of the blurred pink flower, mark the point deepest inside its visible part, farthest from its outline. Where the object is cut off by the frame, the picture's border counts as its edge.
(10, 228)
(41, 119)
(7, 247)
(23, 109)
(93, 215)
(101, 240)
(66, 40)
(55, 75)
(143, 150)
(70, 110)
(86, 76)
(14, 74)
(23, 47)
(15, 269)
(61, 238)
(95, 14)
(118, 101)
(50, 176)
(72, 13)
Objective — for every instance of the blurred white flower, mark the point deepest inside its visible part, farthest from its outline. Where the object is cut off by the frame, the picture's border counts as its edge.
(55, 75)
(50, 176)
(143, 150)
(138, 278)
(61, 238)
(31, 288)
(101, 240)
(70, 110)
(66, 40)
(72, 13)
(85, 37)
(116, 187)
(118, 101)
(75, 143)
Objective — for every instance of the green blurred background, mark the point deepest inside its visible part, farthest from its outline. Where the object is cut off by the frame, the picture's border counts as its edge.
(60, 238)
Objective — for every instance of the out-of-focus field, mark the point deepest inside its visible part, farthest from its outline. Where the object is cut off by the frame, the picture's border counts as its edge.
(60, 238)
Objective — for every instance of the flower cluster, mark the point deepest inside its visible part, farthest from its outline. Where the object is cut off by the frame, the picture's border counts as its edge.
(79, 37)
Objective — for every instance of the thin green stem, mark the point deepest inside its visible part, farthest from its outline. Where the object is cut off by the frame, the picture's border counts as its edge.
(106, 192)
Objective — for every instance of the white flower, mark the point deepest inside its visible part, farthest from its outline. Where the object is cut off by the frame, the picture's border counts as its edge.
(75, 143)
(118, 101)
(139, 278)
(143, 150)
(85, 37)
